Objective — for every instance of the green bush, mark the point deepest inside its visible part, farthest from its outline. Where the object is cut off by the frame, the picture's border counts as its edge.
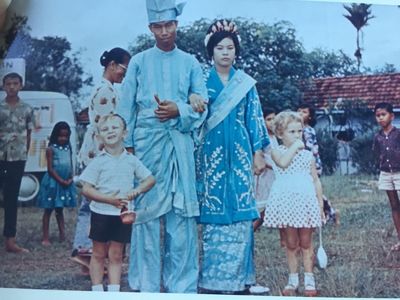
(327, 150)
(362, 155)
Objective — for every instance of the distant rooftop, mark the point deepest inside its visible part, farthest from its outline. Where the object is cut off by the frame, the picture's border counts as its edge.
(370, 88)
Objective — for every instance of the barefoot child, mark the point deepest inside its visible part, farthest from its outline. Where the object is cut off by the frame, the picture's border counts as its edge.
(295, 201)
(57, 189)
(16, 124)
(386, 147)
(107, 181)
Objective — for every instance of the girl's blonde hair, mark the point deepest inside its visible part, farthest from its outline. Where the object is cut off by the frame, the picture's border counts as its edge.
(282, 120)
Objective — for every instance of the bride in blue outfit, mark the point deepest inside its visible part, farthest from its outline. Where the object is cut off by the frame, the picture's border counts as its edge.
(233, 137)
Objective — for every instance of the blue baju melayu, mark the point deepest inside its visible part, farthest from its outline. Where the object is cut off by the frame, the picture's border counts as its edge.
(233, 132)
(167, 150)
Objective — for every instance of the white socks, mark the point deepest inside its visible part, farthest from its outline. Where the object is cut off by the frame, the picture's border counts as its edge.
(98, 288)
(110, 288)
(309, 281)
(293, 280)
(113, 287)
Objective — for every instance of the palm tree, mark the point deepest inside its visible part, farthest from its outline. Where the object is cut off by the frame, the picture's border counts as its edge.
(359, 15)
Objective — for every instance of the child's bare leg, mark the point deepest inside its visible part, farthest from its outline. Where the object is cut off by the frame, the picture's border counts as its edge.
(282, 237)
(60, 223)
(307, 248)
(45, 226)
(308, 254)
(395, 206)
(97, 260)
(115, 255)
(292, 245)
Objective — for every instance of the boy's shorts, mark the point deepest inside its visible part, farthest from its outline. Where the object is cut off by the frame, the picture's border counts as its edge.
(105, 228)
(389, 181)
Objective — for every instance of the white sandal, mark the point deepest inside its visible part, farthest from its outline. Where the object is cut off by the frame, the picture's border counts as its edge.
(309, 285)
(289, 290)
(258, 289)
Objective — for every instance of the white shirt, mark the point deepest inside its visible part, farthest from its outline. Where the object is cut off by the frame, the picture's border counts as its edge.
(110, 174)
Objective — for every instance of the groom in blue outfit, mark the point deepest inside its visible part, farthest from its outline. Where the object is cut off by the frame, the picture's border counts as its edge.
(161, 123)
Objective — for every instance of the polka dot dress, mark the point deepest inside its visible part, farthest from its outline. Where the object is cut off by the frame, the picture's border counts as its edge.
(293, 201)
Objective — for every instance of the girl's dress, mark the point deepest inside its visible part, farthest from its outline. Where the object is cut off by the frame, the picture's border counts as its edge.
(293, 200)
(52, 194)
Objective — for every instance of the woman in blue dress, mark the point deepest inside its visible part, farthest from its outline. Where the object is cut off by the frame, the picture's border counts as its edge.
(233, 137)
(57, 189)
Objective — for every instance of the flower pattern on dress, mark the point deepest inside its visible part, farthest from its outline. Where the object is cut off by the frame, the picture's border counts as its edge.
(226, 249)
(224, 171)
(103, 101)
(214, 177)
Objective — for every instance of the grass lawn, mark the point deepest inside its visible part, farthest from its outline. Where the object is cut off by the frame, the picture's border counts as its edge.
(360, 261)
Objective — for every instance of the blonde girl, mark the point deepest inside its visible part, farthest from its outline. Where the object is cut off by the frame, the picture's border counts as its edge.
(295, 202)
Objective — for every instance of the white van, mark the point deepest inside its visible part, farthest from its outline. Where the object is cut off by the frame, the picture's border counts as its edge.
(49, 108)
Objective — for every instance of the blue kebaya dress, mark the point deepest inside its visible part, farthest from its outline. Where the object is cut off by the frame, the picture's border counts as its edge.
(234, 131)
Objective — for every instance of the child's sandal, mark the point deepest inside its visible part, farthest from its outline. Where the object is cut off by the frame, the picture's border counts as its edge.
(309, 285)
(310, 291)
(289, 290)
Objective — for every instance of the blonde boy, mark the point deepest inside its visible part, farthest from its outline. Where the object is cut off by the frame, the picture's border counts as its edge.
(108, 181)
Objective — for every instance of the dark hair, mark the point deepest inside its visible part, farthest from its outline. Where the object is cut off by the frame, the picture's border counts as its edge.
(12, 75)
(117, 54)
(218, 36)
(384, 105)
(267, 111)
(56, 131)
(311, 109)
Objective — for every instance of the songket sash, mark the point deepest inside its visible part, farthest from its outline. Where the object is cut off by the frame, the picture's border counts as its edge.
(236, 89)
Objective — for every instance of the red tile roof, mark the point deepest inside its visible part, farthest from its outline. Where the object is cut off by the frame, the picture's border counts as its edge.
(370, 88)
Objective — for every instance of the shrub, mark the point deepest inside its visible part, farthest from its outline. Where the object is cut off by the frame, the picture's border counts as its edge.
(362, 155)
(327, 150)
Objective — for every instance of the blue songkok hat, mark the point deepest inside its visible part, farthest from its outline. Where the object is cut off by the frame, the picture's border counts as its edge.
(163, 10)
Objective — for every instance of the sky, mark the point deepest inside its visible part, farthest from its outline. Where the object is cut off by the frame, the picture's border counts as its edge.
(93, 26)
